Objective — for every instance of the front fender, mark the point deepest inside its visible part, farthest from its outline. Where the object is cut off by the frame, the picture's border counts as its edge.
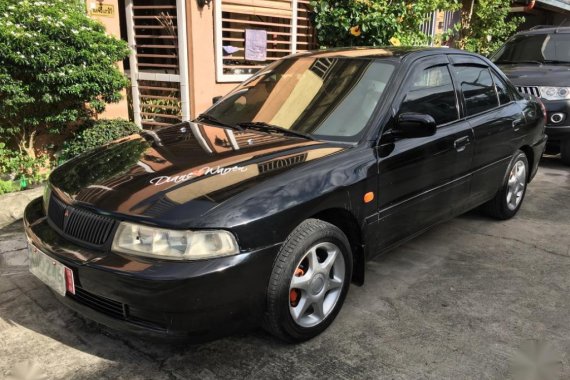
(268, 213)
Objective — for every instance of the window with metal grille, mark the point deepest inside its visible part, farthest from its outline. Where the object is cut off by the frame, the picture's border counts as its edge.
(158, 62)
(286, 23)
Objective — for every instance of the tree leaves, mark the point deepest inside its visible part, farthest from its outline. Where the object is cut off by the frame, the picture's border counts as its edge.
(378, 20)
(53, 60)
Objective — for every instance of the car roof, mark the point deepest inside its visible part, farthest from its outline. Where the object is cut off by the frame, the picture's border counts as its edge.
(379, 52)
(546, 29)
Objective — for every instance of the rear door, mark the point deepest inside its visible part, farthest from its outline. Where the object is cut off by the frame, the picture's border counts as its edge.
(424, 180)
(496, 119)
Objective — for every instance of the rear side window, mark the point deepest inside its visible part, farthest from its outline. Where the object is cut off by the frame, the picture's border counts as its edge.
(432, 93)
(477, 87)
(502, 89)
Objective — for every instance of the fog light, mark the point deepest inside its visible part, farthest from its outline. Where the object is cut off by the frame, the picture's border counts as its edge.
(557, 117)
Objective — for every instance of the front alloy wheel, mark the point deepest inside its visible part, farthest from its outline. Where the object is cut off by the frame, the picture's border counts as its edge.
(316, 284)
(310, 278)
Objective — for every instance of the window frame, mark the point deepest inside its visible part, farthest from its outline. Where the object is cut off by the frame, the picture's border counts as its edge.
(222, 77)
(472, 63)
(507, 88)
(423, 64)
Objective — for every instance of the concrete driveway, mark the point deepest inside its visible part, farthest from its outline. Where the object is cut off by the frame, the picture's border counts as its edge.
(464, 301)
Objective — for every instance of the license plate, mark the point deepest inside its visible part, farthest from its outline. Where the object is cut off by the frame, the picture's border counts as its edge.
(49, 271)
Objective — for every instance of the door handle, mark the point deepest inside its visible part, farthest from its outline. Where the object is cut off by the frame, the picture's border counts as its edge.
(461, 143)
(517, 124)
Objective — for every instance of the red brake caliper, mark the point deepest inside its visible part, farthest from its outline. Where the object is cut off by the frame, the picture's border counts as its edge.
(295, 294)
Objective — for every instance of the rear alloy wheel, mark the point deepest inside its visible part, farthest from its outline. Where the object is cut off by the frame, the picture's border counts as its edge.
(565, 151)
(508, 200)
(309, 282)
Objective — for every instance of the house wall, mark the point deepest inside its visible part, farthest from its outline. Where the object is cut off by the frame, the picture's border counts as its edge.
(112, 25)
(201, 58)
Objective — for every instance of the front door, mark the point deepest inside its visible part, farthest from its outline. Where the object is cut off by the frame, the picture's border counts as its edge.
(425, 180)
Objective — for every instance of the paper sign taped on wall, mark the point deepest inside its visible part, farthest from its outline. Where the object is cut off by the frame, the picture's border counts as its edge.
(255, 45)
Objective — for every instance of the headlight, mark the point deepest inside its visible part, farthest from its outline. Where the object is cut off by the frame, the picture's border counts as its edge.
(168, 244)
(554, 93)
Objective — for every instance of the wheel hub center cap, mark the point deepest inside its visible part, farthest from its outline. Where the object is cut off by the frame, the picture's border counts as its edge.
(317, 284)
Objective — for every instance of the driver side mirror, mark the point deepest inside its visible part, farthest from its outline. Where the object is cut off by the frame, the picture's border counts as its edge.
(413, 125)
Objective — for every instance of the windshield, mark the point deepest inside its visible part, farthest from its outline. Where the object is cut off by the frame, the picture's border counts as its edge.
(540, 48)
(330, 98)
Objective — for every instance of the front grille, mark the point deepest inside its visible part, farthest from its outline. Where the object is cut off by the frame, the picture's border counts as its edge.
(101, 304)
(80, 224)
(56, 212)
(529, 90)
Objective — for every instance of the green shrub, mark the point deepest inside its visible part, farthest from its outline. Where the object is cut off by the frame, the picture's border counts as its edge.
(7, 187)
(374, 22)
(96, 133)
(57, 66)
(16, 165)
(485, 25)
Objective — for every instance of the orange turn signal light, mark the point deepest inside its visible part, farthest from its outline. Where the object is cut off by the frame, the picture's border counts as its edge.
(368, 197)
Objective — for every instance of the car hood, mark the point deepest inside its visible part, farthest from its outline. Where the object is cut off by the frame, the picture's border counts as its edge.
(537, 75)
(180, 172)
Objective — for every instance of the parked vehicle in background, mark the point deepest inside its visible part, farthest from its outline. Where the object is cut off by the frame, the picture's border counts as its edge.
(267, 206)
(538, 63)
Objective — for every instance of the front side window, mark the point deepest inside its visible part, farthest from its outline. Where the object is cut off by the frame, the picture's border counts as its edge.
(477, 87)
(432, 93)
(332, 98)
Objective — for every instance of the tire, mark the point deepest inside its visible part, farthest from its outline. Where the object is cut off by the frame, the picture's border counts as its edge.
(565, 151)
(312, 272)
(509, 198)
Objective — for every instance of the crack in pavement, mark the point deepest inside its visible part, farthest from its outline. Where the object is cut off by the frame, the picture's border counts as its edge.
(518, 241)
(14, 251)
(161, 363)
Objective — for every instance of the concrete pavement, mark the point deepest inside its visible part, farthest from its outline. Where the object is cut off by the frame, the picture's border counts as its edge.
(463, 301)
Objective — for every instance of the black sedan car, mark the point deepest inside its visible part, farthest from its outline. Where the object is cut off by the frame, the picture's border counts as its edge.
(264, 209)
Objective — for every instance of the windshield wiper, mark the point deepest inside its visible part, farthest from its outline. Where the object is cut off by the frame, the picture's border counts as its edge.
(213, 119)
(266, 127)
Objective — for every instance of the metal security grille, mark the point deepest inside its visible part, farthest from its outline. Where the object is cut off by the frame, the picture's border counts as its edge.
(287, 23)
(529, 90)
(158, 62)
(79, 224)
(429, 25)
(322, 67)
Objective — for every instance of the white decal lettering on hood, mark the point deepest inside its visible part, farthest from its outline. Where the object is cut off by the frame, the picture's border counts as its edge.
(207, 170)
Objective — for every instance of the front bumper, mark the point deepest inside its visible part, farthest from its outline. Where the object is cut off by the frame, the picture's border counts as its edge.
(196, 301)
(557, 131)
